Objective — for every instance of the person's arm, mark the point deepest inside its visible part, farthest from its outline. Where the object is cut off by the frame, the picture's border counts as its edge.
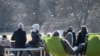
(13, 36)
(25, 39)
(9, 43)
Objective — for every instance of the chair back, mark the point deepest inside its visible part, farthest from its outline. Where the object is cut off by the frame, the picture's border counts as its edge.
(54, 46)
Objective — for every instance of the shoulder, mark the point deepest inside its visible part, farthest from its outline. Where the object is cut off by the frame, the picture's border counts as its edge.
(14, 32)
(79, 32)
(24, 32)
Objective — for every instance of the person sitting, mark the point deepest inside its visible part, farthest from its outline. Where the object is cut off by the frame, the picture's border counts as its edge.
(82, 37)
(19, 36)
(36, 40)
(4, 43)
(35, 34)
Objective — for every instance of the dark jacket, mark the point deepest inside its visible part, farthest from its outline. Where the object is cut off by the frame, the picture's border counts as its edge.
(20, 38)
(35, 39)
(81, 37)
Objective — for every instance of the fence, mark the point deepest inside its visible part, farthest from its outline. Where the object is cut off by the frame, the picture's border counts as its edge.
(7, 51)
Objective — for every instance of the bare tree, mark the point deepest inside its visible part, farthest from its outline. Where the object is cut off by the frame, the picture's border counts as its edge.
(81, 9)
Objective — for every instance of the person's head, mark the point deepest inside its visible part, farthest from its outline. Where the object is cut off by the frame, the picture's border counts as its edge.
(4, 36)
(70, 29)
(55, 33)
(35, 26)
(20, 26)
(64, 33)
(84, 28)
(48, 34)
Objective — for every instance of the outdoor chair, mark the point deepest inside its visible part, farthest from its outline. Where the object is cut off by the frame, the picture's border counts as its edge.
(93, 46)
(54, 46)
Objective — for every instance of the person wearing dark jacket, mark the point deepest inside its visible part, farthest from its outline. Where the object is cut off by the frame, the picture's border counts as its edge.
(36, 40)
(82, 36)
(71, 29)
(35, 36)
(20, 38)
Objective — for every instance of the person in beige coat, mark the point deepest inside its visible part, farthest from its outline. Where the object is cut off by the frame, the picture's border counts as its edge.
(4, 43)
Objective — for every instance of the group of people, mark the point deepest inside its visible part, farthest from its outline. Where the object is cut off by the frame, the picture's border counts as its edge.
(73, 44)
(4, 43)
(19, 36)
(20, 40)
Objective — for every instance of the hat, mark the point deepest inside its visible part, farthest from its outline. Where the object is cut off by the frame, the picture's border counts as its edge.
(36, 26)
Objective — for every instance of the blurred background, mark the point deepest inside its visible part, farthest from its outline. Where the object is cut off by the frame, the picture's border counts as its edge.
(50, 14)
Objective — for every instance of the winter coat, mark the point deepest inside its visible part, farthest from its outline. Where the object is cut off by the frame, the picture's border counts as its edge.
(81, 37)
(20, 38)
(35, 39)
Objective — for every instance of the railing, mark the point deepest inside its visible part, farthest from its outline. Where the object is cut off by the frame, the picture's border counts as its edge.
(8, 50)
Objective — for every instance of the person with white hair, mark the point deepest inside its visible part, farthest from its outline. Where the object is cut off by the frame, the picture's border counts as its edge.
(36, 26)
(21, 26)
(20, 38)
(36, 40)
(35, 33)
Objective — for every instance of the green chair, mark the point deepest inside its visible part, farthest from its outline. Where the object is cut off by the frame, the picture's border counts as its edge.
(93, 47)
(54, 46)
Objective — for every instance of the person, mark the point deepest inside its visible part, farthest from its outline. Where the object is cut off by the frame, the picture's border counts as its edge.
(82, 36)
(4, 43)
(71, 29)
(20, 38)
(48, 34)
(64, 34)
(55, 33)
(35, 36)
(36, 40)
